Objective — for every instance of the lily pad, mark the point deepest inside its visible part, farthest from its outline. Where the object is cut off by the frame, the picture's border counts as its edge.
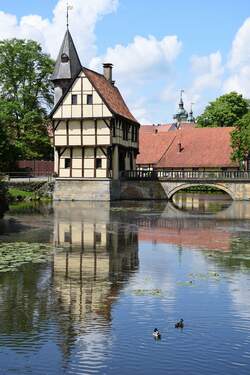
(16, 254)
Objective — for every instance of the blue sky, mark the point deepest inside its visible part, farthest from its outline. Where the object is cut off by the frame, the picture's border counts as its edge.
(200, 46)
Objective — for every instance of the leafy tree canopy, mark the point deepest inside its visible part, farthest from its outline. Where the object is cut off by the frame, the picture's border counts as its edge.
(26, 95)
(240, 139)
(224, 111)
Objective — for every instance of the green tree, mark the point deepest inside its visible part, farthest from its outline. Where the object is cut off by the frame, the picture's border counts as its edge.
(240, 139)
(224, 111)
(26, 95)
(7, 151)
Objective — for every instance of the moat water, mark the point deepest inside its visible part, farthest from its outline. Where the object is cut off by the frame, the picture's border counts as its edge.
(117, 271)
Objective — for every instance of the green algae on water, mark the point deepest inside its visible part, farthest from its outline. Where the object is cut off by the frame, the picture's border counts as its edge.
(147, 292)
(185, 283)
(16, 254)
(205, 276)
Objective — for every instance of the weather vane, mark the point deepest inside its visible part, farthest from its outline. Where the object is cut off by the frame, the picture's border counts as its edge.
(69, 7)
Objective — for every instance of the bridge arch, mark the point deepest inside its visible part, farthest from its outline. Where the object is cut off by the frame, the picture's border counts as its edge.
(182, 186)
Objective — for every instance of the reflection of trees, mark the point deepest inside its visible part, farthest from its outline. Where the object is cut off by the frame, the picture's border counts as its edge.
(25, 303)
(238, 256)
(30, 208)
(26, 221)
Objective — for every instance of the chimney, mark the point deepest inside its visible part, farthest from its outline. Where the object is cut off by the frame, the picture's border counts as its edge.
(179, 147)
(107, 72)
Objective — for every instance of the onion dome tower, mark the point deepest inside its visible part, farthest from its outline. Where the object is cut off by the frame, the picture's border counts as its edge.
(181, 115)
(191, 117)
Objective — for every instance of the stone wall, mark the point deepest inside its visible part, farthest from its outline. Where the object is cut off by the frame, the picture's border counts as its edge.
(82, 190)
(106, 190)
(141, 190)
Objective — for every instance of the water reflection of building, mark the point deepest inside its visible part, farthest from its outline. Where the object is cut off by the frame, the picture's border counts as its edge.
(202, 203)
(178, 225)
(192, 237)
(91, 251)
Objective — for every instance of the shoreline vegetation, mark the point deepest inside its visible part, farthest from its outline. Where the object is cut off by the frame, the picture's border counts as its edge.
(202, 189)
(32, 191)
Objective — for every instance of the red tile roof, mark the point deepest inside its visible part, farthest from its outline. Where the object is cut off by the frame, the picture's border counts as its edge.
(200, 147)
(110, 94)
(152, 146)
(155, 128)
(160, 128)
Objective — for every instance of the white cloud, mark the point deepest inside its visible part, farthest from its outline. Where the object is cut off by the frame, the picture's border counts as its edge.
(239, 82)
(240, 51)
(208, 71)
(145, 68)
(142, 58)
(84, 16)
(140, 109)
(206, 76)
(141, 68)
(239, 62)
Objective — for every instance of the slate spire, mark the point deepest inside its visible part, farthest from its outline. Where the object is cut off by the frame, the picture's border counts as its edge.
(67, 67)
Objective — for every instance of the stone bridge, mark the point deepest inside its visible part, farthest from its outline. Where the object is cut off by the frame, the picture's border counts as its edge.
(164, 184)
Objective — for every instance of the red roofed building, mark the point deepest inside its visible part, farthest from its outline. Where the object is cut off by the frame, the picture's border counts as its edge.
(189, 148)
(95, 136)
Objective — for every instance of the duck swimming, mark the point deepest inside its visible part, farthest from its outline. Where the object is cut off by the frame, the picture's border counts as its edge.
(179, 324)
(156, 333)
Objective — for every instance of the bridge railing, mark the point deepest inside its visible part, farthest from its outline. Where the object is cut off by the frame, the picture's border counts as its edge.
(185, 175)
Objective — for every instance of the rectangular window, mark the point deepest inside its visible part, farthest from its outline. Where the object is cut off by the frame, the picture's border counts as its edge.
(125, 132)
(74, 99)
(67, 237)
(98, 163)
(98, 237)
(67, 163)
(113, 123)
(136, 134)
(133, 133)
(89, 99)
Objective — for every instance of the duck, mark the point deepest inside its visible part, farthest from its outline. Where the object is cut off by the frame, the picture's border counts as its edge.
(156, 333)
(179, 324)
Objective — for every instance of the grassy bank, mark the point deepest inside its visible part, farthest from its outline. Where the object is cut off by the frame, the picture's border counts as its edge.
(32, 191)
(21, 195)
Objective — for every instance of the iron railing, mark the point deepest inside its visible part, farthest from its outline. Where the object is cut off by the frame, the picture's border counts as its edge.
(177, 175)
